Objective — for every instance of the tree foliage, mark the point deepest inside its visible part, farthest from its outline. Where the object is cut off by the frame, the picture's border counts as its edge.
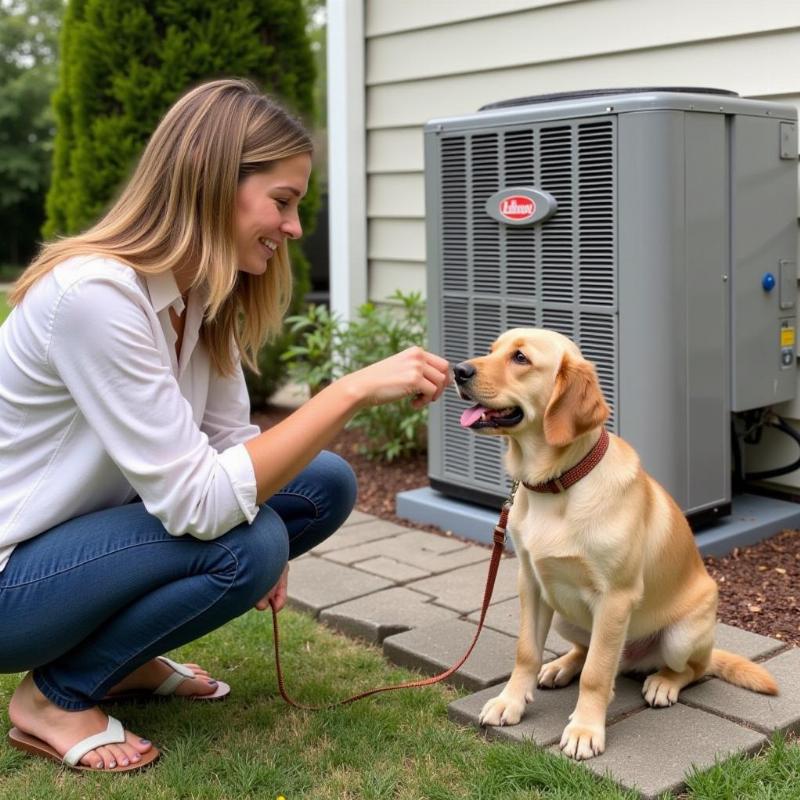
(28, 53)
(125, 62)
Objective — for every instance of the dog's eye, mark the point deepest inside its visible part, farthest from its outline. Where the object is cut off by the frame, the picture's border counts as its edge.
(520, 358)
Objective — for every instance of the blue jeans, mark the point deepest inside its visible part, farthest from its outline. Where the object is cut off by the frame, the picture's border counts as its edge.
(90, 600)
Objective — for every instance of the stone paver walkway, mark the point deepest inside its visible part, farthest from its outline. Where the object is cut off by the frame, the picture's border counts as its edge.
(418, 596)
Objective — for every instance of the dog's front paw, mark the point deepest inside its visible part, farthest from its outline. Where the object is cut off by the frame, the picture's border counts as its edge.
(581, 741)
(502, 710)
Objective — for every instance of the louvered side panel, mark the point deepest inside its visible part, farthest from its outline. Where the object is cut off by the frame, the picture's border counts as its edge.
(518, 316)
(520, 243)
(455, 319)
(596, 214)
(558, 250)
(454, 231)
(486, 327)
(485, 174)
(598, 343)
(562, 322)
(488, 467)
(457, 441)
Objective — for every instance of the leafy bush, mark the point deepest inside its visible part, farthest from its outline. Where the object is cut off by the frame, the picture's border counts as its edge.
(328, 348)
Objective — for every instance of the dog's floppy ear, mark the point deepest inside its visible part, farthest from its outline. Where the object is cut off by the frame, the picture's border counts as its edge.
(576, 406)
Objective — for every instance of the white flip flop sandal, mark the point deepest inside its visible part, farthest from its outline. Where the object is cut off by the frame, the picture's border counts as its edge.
(113, 734)
(180, 673)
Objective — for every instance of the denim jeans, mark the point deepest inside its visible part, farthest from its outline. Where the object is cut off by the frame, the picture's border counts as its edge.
(90, 600)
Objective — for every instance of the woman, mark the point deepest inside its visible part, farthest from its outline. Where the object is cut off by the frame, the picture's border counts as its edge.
(139, 509)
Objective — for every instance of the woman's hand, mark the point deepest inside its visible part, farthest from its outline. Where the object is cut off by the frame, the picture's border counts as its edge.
(412, 373)
(277, 593)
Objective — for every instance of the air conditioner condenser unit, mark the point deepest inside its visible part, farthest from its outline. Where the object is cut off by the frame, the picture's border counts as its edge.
(655, 227)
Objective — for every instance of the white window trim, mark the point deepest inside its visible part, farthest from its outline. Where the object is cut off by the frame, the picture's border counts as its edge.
(347, 201)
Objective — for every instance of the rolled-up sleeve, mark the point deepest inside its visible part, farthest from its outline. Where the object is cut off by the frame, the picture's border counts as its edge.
(103, 347)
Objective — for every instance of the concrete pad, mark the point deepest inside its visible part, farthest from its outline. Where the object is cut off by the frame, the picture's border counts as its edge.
(462, 589)
(504, 617)
(747, 644)
(391, 569)
(435, 648)
(358, 534)
(376, 616)
(752, 519)
(544, 719)
(653, 750)
(760, 711)
(316, 583)
(467, 520)
(420, 549)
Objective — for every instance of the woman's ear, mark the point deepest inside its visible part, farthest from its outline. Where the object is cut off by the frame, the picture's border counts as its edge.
(577, 404)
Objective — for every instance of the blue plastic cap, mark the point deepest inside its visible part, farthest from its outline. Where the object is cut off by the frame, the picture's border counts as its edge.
(768, 281)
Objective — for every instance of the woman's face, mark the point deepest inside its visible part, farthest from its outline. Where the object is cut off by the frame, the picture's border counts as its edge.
(266, 211)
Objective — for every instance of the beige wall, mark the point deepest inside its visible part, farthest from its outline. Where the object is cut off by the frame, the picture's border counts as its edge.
(439, 58)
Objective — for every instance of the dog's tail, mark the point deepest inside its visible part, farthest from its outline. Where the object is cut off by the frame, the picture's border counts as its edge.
(741, 672)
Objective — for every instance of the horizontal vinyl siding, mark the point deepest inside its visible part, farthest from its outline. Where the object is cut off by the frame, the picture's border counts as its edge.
(395, 195)
(388, 276)
(753, 66)
(436, 58)
(392, 16)
(396, 240)
(537, 36)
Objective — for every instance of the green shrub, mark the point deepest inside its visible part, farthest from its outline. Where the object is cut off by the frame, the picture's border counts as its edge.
(125, 62)
(328, 348)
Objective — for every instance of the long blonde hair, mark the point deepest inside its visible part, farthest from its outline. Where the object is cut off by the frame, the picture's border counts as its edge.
(179, 208)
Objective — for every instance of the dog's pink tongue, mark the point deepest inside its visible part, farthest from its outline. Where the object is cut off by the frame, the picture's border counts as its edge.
(471, 415)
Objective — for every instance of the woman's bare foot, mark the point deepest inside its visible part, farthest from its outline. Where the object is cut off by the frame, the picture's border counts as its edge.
(33, 713)
(152, 674)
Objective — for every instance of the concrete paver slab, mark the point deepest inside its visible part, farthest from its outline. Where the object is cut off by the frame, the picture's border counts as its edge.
(435, 648)
(745, 643)
(419, 549)
(544, 719)
(462, 589)
(316, 583)
(382, 614)
(504, 617)
(763, 712)
(357, 517)
(391, 569)
(355, 535)
(654, 749)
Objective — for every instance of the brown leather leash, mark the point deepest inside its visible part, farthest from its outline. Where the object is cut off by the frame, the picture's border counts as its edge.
(499, 538)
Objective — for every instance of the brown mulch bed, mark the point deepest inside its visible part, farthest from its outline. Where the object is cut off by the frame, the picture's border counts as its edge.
(759, 586)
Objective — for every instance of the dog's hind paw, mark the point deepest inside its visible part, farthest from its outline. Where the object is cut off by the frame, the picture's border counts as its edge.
(659, 691)
(558, 673)
(502, 710)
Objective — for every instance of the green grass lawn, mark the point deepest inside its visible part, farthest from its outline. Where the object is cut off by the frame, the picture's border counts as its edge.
(5, 309)
(397, 745)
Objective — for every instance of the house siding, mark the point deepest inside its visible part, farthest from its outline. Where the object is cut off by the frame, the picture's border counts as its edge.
(438, 58)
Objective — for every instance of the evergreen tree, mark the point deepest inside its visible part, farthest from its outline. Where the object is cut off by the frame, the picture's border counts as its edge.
(28, 50)
(125, 62)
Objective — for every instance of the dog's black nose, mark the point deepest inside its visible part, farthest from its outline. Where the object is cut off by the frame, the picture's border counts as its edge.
(463, 372)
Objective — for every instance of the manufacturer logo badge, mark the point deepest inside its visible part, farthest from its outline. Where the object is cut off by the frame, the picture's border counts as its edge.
(521, 205)
(517, 207)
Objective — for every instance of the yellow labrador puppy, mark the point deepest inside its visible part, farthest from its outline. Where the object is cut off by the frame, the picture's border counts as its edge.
(605, 554)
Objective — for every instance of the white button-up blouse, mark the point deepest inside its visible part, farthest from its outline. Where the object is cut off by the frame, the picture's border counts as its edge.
(95, 408)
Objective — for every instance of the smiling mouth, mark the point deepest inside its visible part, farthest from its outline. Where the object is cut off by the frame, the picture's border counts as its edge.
(268, 244)
(482, 417)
